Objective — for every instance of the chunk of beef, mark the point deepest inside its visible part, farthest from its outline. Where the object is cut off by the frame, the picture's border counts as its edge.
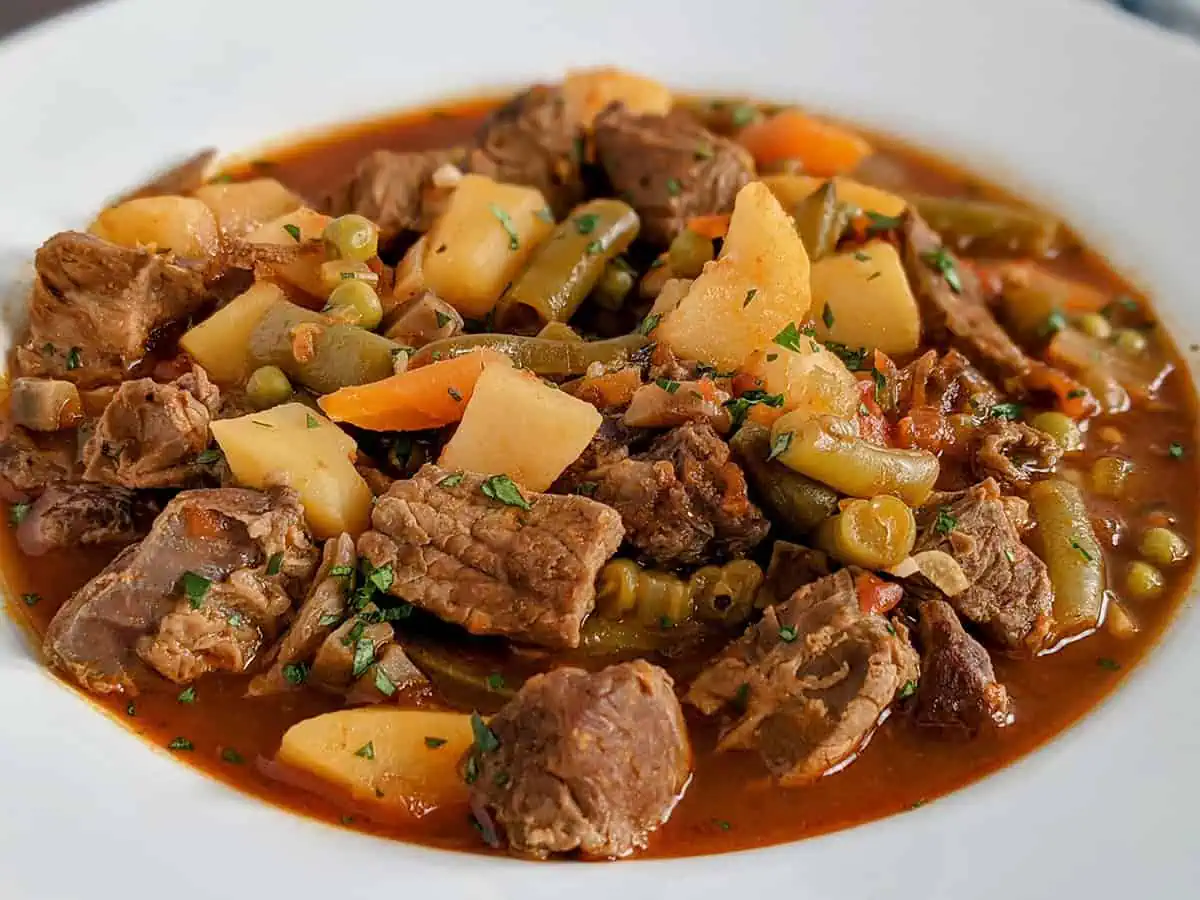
(684, 501)
(609, 445)
(493, 568)
(1014, 453)
(534, 140)
(653, 406)
(392, 672)
(389, 188)
(808, 683)
(669, 167)
(581, 761)
(1010, 597)
(210, 533)
(69, 515)
(150, 434)
(958, 688)
(792, 567)
(28, 464)
(947, 383)
(96, 306)
(350, 650)
(44, 404)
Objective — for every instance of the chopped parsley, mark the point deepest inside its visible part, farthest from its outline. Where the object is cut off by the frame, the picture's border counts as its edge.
(1080, 549)
(181, 743)
(434, 742)
(382, 578)
(722, 824)
(195, 587)
(295, 673)
(780, 444)
(862, 257)
(787, 634)
(739, 406)
(907, 690)
(31, 599)
(771, 357)
(187, 695)
(454, 479)
(73, 358)
(743, 114)
(874, 275)
(1175, 450)
(235, 619)
(341, 571)
(880, 385)
(383, 683)
(364, 655)
(942, 262)
(1107, 662)
(17, 513)
(485, 739)
(649, 324)
(878, 223)
(741, 697)
(674, 188)
(275, 564)
(504, 489)
(667, 384)
(366, 751)
(311, 421)
(293, 231)
(545, 214)
(471, 771)
(827, 316)
(1076, 393)
(328, 619)
(750, 295)
(1053, 323)
(442, 319)
(851, 356)
(495, 681)
(586, 223)
(501, 779)
(454, 394)
(946, 522)
(594, 247)
(789, 337)
(1009, 555)
(506, 222)
(586, 488)
(232, 757)
(1008, 411)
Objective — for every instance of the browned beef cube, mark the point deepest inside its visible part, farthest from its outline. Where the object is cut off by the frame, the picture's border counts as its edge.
(684, 501)
(670, 168)
(807, 684)
(29, 462)
(527, 574)
(389, 189)
(95, 306)
(68, 515)
(1010, 597)
(958, 688)
(208, 533)
(581, 761)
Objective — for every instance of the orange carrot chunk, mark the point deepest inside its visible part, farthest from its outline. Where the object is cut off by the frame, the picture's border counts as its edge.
(823, 149)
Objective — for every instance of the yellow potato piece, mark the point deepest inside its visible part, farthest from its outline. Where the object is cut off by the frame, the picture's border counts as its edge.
(812, 379)
(288, 230)
(294, 445)
(867, 298)
(742, 300)
(791, 189)
(241, 207)
(517, 425)
(588, 91)
(221, 342)
(183, 225)
(402, 761)
(482, 240)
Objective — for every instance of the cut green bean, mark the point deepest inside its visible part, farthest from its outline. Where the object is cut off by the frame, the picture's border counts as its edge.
(821, 219)
(796, 500)
(1072, 554)
(541, 356)
(983, 228)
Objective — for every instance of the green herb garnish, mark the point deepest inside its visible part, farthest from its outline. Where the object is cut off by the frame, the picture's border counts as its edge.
(295, 673)
(195, 587)
(1007, 411)
(941, 261)
(788, 634)
(827, 316)
(232, 757)
(505, 490)
(275, 564)
(789, 337)
(74, 360)
(667, 384)
(366, 751)
(514, 238)
(181, 743)
(383, 683)
(364, 655)
(434, 742)
(649, 324)
(946, 521)
(454, 479)
(586, 223)
(293, 231)
(780, 444)
(187, 695)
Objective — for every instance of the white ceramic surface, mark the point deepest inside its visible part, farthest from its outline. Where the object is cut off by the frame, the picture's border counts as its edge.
(1090, 111)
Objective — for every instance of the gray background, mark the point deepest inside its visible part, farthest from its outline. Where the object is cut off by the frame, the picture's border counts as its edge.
(16, 14)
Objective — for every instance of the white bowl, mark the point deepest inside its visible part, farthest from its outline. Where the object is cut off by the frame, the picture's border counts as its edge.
(1071, 103)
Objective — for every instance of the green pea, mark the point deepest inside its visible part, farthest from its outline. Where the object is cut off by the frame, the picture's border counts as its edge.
(355, 303)
(1143, 581)
(1060, 427)
(352, 237)
(688, 253)
(1110, 474)
(1095, 325)
(614, 285)
(1130, 341)
(1163, 547)
(267, 387)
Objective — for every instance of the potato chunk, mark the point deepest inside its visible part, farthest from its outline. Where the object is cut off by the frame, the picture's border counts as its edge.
(293, 444)
(810, 379)
(863, 299)
(747, 296)
(221, 343)
(288, 230)
(517, 425)
(587, 91)
(791, 189)
(402, 762)
(241, 207)
(183, 225)
(482, 240)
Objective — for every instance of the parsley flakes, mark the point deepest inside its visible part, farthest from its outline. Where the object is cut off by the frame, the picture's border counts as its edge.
(181, 743)
(434, 742)
(586, 223)
(293, 231)
(187, 695)
(649, 324)
(789, 337)
(827, 316)
(946, 522)
(780, 444)
(195, 587)
(366, 751)
(506, 222)
(454, 479)
(505, 490)
(942, 262)
(788, 634)
(17, 513)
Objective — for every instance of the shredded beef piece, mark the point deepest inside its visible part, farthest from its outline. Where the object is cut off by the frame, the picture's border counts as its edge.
(70, 515)
(1014, 453)
(96, 305)
(609, 445)
(1010, 597)
(669, 167)
(684, 501)
(493, 568)
(808, 683)
(958, 688)
(28, 464)
(534, 140)
(581, 761)
(389, 189)
(947, 383)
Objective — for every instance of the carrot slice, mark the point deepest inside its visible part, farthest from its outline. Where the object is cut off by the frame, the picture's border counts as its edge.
(428, 397)
(711, 226)
(823, 149)
(876, 595)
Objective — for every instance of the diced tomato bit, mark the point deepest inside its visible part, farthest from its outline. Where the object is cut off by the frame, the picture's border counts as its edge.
(876, 595)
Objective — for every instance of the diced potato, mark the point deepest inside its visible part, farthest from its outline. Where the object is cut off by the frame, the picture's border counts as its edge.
(517, 425)
(221, 343)
(183, 225)
(742, 300)
(482, 240)
(410, 277)
(398, 761)
(241, 207)
(863, 299)
(791, 189)
(295, 445)
(811, 379)
(308, 224)
(588, 91)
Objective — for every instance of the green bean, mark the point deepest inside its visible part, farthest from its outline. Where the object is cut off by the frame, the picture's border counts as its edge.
(616, 588)
(540, 356)
(984, 228)
(625, 589)
(1060, 427)
(796, 500)
(267, 386)
(725, 594)
(825, 449)
(614, 285)
(1071, 553)
(875, 534)
(1143, 581)
(566, 266)
(604, 637)
(317, 353)
(688, 253)
(821, 219)
(559, 331)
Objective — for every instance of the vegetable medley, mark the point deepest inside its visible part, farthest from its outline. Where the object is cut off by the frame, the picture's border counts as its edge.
(551, 489)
